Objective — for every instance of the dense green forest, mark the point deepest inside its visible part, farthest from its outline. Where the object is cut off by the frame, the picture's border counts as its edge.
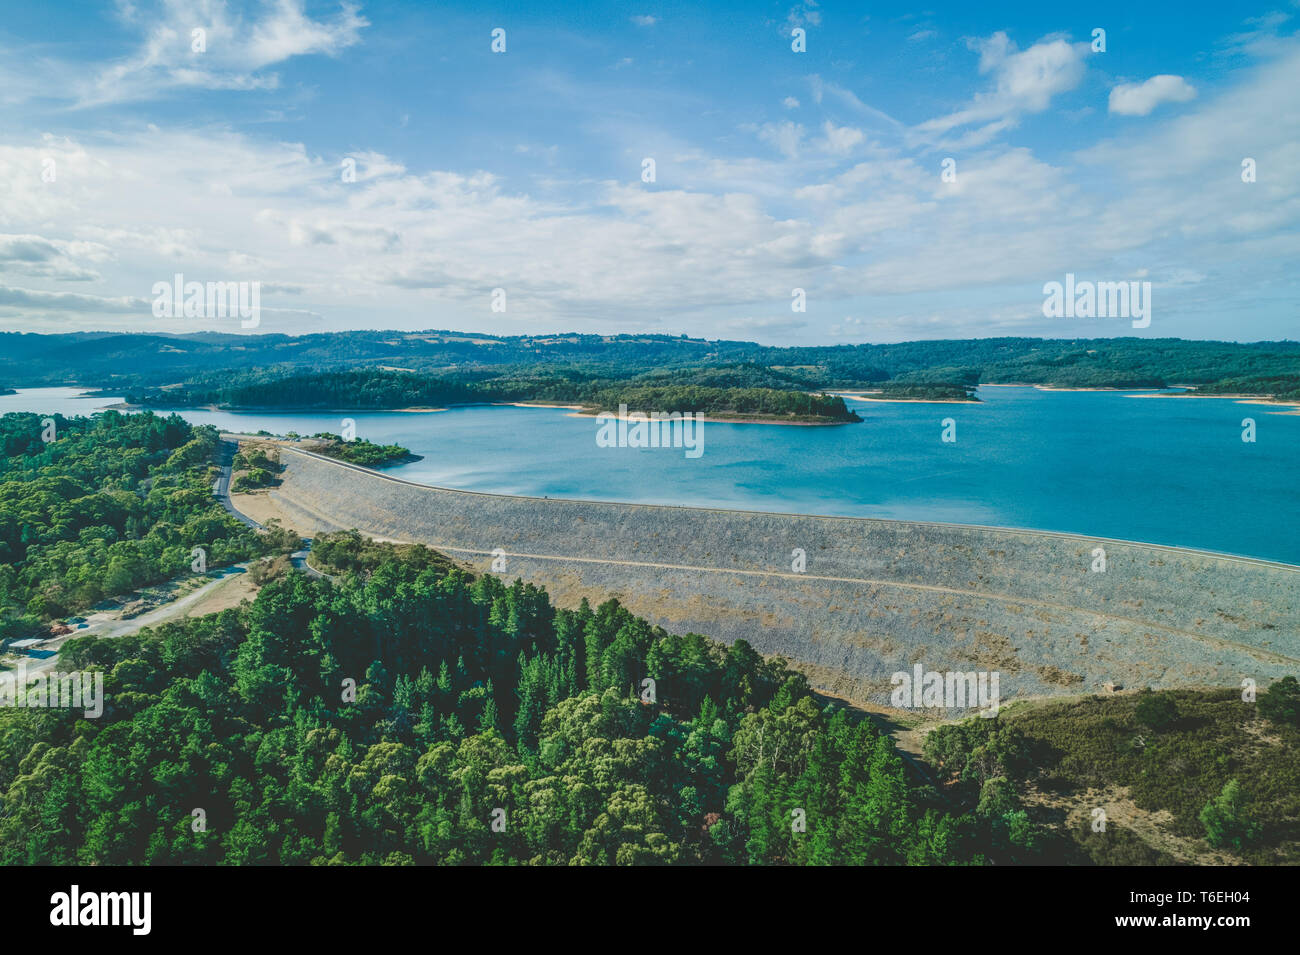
(107, 505)
(477, 702)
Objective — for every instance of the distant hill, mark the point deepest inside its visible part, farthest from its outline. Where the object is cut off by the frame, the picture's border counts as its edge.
(124, 362)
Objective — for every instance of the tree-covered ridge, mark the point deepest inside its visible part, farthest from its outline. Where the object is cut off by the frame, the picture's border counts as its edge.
(1281, 387)
(139, 362)
(380, 389)
(574, 370)
(476, 702)
(112, 503)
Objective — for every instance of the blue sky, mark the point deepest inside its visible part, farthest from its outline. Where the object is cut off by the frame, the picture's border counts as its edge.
(774, 170)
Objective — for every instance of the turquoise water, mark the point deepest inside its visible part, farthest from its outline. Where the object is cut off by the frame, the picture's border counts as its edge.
(1109, 464)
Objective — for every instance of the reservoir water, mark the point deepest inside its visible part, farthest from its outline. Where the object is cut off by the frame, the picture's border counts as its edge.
(1110, 464)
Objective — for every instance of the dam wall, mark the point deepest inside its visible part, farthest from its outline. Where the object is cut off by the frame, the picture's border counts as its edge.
(873, 597)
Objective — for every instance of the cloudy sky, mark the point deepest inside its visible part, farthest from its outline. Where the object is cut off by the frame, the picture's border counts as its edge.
(127, 155)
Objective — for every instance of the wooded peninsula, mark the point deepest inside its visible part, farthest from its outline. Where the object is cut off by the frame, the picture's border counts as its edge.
(384, 370)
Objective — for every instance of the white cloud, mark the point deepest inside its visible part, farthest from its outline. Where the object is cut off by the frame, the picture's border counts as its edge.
(70, 301)
(822, 88)
(790, 103)
(765, 327)
(235, 48)
(1139, 99)
(48, 258)
(784, 136)
(840, 140)
(1024, 81)
(644, 20)
(804, 14)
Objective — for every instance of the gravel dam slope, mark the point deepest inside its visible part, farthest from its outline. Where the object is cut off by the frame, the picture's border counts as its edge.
(873, 597)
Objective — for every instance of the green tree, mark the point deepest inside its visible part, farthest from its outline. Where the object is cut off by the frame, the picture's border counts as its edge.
(1226, 819)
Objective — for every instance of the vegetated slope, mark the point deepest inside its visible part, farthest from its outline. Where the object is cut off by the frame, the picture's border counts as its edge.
(1211, 775)
(107, 505)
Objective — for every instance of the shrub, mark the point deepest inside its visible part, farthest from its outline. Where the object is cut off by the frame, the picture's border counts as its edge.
(1156, 710)
(1281, 704)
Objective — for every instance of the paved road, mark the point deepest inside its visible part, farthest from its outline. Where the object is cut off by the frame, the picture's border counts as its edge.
(229, 446)
(108, 629)
(225, 456)
(299, 560)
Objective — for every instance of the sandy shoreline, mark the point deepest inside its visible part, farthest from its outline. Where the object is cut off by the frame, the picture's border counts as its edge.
(1107, 388)
(269, 409)
(1292, 407)
(260, 409)
(1041, 387)
(867, 396)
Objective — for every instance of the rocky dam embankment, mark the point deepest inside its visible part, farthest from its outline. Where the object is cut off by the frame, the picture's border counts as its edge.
(870, 597)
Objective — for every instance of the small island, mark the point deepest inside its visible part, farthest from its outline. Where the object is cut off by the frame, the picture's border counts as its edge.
(363, 452)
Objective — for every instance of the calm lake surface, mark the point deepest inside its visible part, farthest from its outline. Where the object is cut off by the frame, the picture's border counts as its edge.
(1158, 470)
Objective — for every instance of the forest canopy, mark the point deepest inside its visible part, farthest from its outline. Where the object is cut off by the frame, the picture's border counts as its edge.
(107, 505)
